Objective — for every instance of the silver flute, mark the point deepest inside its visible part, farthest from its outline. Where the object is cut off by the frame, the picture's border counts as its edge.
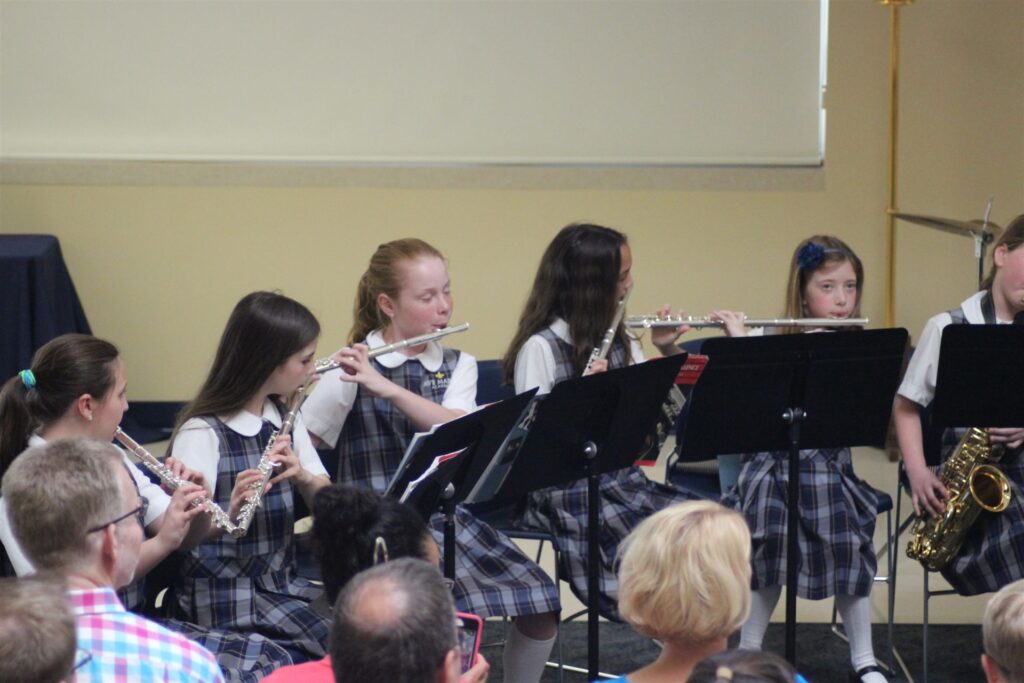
(649, 321)
(327, 364)
(266, 465)
(172, 481)
(601, 352)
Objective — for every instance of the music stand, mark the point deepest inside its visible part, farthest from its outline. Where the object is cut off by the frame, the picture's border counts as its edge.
(790, 392)
(584, 428)
(480, 433)
(981, 372)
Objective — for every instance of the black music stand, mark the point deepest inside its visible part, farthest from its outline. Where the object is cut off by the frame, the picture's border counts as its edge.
(480, 433)
(789, 392)
(981, 372)
(584, 428)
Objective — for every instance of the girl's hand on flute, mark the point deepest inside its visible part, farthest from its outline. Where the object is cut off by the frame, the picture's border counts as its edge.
(244, 489)
(664, 338)
(733, 320)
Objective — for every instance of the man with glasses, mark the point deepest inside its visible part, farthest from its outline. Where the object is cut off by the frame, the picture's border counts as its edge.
(395, 622)
(76, 512)
(1003, 635)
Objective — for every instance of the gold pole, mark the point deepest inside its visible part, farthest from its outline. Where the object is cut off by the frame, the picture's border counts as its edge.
(890, 222)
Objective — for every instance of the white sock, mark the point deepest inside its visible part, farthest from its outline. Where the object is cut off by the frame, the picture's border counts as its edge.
(762, 604)
(524, 657)
(856, 613)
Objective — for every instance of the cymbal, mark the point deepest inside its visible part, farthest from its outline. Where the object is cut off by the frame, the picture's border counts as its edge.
(985, 230)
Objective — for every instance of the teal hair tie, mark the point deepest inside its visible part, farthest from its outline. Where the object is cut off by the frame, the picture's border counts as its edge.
(27, 378)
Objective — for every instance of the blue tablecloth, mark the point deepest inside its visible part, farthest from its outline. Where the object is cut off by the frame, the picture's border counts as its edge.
(37, 299)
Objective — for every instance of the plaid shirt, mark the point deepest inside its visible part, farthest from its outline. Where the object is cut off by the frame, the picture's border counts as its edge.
(125, 647)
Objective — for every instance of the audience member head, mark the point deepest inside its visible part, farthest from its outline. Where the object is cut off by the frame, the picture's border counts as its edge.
(743, 666)
(1002, 632)
(582, 275)
(73, 376)
(395, 622)
(354, 529)
(75, 510)
(37, 631)
(684, 574)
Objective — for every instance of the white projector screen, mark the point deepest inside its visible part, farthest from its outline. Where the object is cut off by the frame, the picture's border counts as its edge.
(617, 82)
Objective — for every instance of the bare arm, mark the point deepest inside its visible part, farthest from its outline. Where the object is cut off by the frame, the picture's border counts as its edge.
(927, 492)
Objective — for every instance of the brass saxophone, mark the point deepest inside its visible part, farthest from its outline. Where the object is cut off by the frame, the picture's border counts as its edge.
(974, 484)
(266, 465)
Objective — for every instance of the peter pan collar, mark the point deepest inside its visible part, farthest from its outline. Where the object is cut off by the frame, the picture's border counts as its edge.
(245, 423)
(561, 330)
(430, 358)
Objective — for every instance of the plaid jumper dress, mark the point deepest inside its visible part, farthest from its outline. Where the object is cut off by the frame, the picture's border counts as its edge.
(993, 551)
(627, 497)
(248, 584)
(835, 529)
(492, 576)
(242, 657)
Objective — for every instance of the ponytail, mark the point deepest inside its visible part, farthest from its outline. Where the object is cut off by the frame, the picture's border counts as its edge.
(15, 421)
(382, 277)
(63, 369)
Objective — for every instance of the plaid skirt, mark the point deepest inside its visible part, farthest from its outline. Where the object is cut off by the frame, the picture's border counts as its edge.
(242, 657)
(993, 551)
(274, 605)
(835, 530)
(627, 497)
(493, 577)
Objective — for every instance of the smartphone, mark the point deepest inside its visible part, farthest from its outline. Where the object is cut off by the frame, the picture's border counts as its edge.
(470, 626)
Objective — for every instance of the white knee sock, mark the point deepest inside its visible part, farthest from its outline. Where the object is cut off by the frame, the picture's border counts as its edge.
(762, 604)
(856, 613)
(524, 657)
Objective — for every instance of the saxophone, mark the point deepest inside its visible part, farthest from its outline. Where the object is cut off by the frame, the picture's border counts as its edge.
(974, 484)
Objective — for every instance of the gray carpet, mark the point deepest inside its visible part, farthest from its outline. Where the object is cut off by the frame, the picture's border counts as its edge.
(821, 656)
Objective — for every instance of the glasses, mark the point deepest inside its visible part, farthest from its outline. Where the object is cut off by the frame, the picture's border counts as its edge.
(82, 658)
(139, 512)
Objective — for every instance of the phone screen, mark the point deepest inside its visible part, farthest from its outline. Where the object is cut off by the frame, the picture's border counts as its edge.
(469, 628)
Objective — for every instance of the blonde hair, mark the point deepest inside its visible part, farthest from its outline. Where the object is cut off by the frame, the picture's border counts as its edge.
(1002, 630)
(55, 493)
(382, 276)
(37, 631)
(685, 573)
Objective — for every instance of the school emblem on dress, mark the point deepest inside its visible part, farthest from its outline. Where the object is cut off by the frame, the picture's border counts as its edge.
(438, 381)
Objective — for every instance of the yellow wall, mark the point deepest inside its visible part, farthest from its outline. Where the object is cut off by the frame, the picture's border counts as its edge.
(161, 253)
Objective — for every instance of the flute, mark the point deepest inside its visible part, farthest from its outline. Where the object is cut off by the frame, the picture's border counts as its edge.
(172, 481)
(327, 364)
(601, 351)
(266, 465)
(649, 321)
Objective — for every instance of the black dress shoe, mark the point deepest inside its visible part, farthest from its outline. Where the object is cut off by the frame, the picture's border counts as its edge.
(855, 676)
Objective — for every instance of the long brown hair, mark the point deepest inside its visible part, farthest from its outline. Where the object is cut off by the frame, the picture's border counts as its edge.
(1013, 238)
(383, 277)
(62, 369)
(263, 331)
(809, 256)
(577, 280)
